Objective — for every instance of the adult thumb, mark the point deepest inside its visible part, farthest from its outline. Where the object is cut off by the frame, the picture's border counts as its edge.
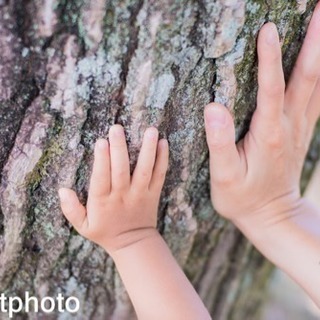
(220, 132)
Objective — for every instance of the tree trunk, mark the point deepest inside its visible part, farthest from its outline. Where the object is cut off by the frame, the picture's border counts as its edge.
(69, 69)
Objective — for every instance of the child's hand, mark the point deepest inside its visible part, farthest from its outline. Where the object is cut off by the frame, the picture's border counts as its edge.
(258, 179)
(120, 210)
(121, 216)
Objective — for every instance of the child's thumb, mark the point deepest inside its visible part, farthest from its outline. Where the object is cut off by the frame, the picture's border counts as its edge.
(224, 156)
(73, 210)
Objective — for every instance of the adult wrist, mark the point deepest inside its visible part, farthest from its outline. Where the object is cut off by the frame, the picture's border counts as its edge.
(264, 221)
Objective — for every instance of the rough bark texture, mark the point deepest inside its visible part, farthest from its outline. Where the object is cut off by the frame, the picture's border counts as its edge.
(69, 70)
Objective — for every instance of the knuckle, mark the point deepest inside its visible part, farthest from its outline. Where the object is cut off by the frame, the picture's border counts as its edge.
(225, 179)
(118, 146)
(218, 143)
(275, 57)
(117, 197)
(161, 177)
(310, 74)
(144, 174)
(272, 59)
(275, 140)
(301, 135)
(122, 173)
(136, 198)
(277, 89)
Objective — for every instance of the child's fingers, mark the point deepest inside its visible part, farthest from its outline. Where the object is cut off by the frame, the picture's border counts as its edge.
(224, 156)
(120, 169)
(73, 210)
(160, 167)
(270, 75)
(313, 110)
(143, 171)
(306, 71)
(100, 182)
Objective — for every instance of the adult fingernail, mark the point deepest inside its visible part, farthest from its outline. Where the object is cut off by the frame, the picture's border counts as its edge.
(216, 116)
(272, 35)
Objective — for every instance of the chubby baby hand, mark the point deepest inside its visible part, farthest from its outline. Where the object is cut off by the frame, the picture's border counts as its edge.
(121, 210)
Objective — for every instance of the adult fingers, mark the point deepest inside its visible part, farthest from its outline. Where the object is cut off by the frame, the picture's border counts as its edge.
(120, 169)
(100, 182)
(161, 166)
(72, 209)
(143, 171)
(270, 75)
(306, 71)
(224, 156)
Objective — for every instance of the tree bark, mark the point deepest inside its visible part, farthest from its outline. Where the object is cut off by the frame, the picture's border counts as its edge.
(69, 69)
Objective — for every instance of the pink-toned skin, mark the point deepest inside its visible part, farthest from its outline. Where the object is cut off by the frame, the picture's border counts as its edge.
(121, 216)
(255, 184)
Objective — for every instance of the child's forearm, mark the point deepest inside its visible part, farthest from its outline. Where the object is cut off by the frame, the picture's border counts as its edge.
(293, 244)
(151, 274)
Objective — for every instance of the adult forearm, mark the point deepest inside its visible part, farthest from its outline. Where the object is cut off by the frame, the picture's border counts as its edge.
(292, 243)
(156, 284)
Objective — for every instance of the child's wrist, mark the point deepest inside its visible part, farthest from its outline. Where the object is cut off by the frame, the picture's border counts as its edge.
(129, 239)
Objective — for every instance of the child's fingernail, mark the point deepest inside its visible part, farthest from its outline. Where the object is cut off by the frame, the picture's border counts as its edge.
(63, 196)
(272, 36)
(151, 133)
(163, 143)
(117, 130)
(102, 144)
(216, 117)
